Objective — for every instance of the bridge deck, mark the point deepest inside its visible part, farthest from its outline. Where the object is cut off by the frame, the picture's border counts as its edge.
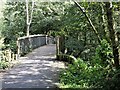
(38, 69)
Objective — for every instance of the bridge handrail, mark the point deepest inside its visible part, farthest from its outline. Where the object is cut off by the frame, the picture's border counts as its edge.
(30, 36)
(28, 43)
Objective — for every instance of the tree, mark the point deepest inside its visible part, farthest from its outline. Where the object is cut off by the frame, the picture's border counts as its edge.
(14, 21)
(113, 36)
(29, 17)
(90, 22)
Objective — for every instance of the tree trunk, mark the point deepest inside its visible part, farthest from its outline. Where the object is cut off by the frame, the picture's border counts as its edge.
(28, 29)
(113, 36)
(29, 19)
(104, 21)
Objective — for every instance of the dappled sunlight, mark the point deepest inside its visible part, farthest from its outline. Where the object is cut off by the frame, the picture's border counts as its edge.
(36, 70)
(64, 44)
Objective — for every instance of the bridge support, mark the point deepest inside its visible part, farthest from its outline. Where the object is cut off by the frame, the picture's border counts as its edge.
(60, 45)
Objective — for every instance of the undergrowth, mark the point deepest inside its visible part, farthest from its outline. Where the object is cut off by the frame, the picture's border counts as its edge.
(4, 64)
(99, 73)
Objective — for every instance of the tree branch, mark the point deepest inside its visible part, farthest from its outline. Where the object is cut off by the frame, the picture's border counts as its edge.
(90, 22)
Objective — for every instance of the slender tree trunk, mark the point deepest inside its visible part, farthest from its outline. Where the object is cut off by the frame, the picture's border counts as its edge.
(27, 22)
(105, 30)
(29, 18)
(28, 29)
(113, 36)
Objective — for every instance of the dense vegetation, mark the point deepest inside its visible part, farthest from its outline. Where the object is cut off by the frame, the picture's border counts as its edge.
(98, 73)
(87, 31)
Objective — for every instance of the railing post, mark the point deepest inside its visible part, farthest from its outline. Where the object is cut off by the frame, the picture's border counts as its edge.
(57, 46)
(30, 43)
(10, 54)
(13, 57)
(46, 37)
(18, 49)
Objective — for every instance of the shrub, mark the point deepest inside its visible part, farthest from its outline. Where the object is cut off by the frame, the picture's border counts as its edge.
(92, 74)
(81, 74)
(4, 64)
(104, 53)
(113, 81)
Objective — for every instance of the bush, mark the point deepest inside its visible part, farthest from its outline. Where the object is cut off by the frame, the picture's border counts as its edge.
(4, 64)
(113, 81)
(97, 73)
(104, 54)
(81, 74)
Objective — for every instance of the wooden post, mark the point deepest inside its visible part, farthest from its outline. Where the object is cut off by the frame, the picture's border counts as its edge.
(62, 44)
(0, 55)
(16, 56)
(57, 46)
(9, 55)
(18, 48)
(30, 44)
(13, 57)
(46, 37)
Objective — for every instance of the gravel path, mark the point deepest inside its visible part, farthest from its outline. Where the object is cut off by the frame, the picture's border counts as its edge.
(38, 69)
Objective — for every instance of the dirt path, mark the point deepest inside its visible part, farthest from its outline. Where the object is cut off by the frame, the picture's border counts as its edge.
(38, 69)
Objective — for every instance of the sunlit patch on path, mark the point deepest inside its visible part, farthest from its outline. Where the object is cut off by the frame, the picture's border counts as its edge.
(38, 69)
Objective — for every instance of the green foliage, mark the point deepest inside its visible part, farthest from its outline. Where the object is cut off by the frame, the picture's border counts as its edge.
(104, 54)
(82, 74)
(4, 64)
(65, 19)
(91, 74)
(1, 43)
(113, 81)
(74, 46)
(15, 23)
(73, 72)
(80, 39)
(1, 46)
(46, 18)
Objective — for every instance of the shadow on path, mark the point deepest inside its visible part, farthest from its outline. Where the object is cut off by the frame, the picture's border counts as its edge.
(38, 69)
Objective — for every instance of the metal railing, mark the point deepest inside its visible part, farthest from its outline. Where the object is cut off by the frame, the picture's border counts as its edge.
(28, 43)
